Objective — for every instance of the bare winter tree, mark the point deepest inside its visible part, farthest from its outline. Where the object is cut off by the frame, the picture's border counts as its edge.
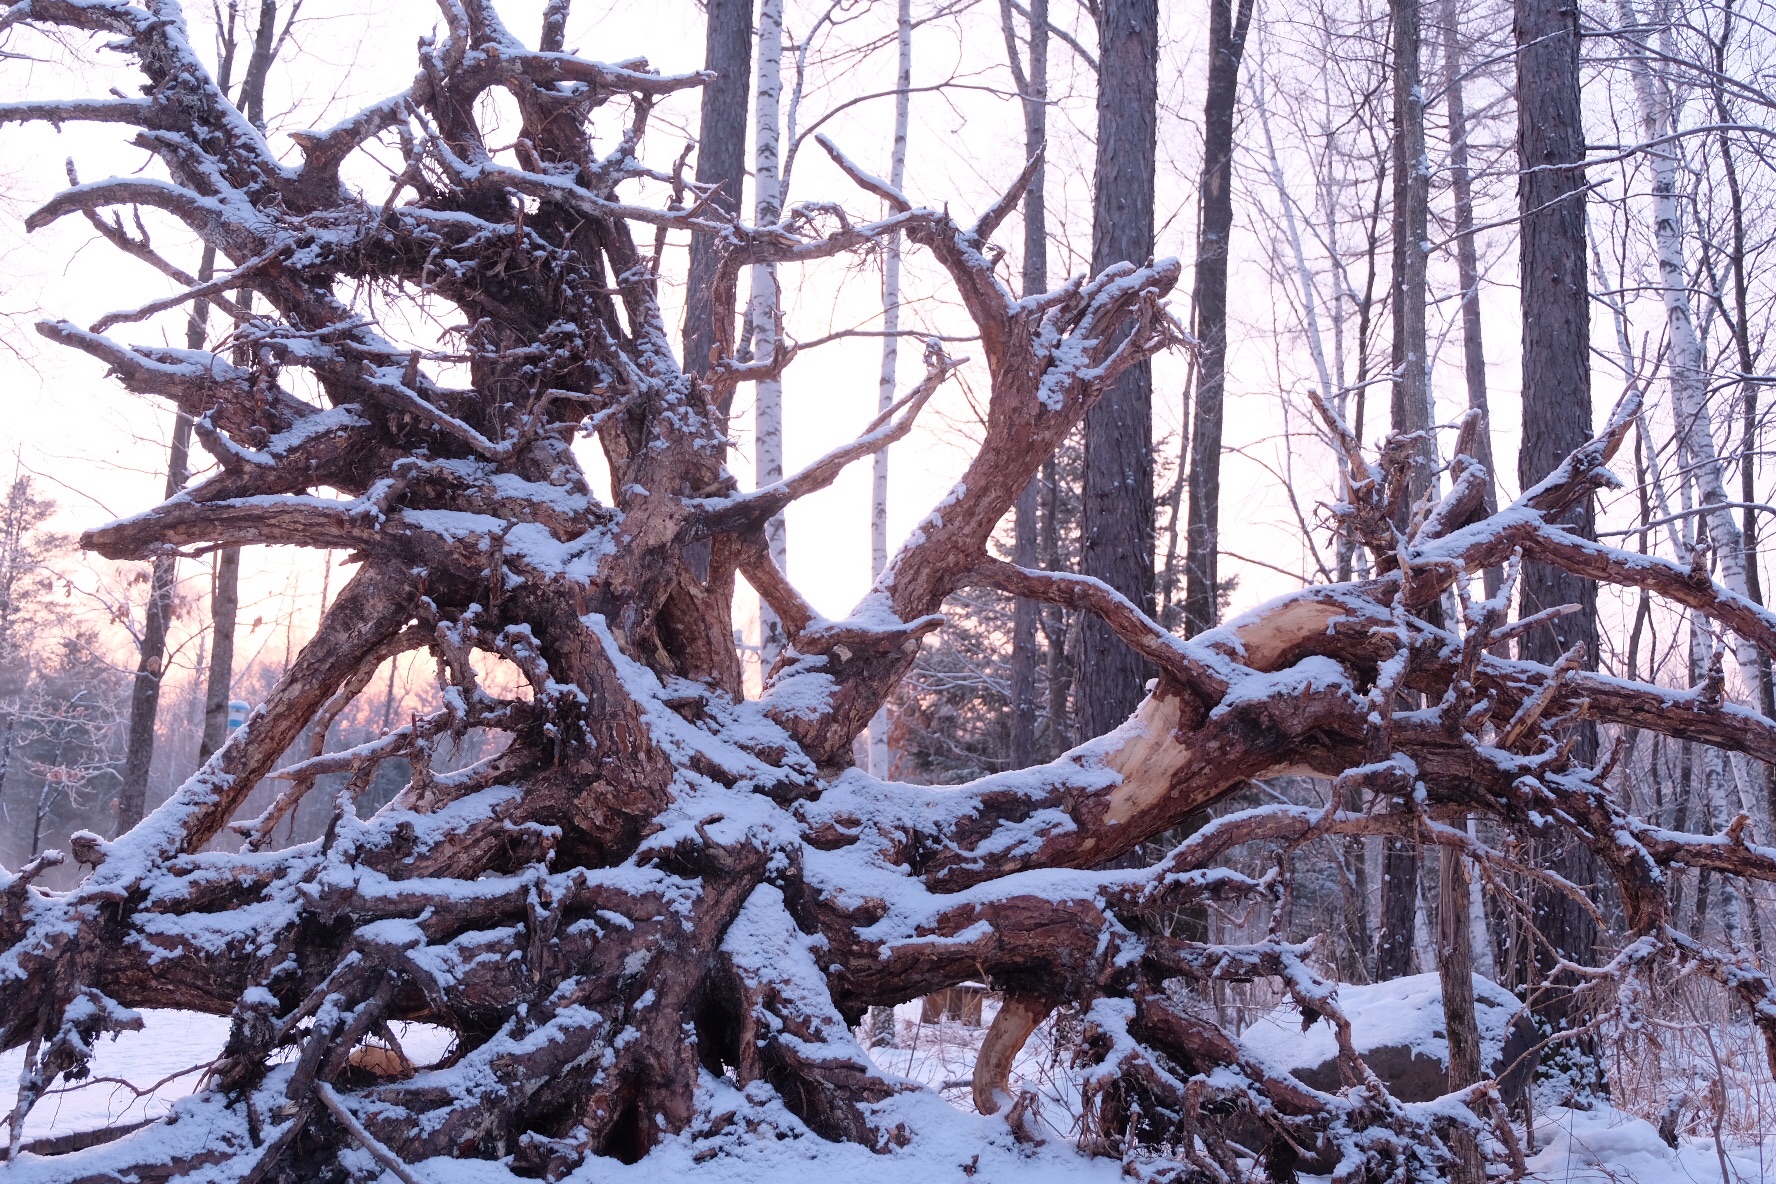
(1556, 412)
(1116, 521)
(721, 166)
(1032, 85)
(659, 889)
(1227, 45)
(891, 298)
(225, 580)
(152, 655)
(1410, 410)
(763, 307)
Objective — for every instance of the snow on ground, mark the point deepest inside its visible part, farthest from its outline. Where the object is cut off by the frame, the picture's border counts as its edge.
(164, 1061)
(1606, 1146)
(947, 1145)
(170, 1042)
(766, 1145)
(941, 1056)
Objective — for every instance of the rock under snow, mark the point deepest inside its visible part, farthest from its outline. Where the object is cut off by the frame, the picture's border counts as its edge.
(1397, 1028)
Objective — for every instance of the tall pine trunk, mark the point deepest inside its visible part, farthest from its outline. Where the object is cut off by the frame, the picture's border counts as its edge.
(1556, 410)
(1227, 43)
(721, 160)
(1116, 543)
(1411, 412)
(1467, 260)
(1033, 86)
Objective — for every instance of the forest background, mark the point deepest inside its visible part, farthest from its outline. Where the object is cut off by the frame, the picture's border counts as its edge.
(1309, 310)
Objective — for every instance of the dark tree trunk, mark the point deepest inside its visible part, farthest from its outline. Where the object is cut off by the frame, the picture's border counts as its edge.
(1399, 909)
(1057, 663)
(138, 756)
(1556, 312)
(224, 605)
(145, 692)
(1117, 527)
(1455, 971)
(1411, 413)
(721, 160)
(1227, 44)
(1033, 85)
(1467, 263)
(1556, 397)
(1411, 386)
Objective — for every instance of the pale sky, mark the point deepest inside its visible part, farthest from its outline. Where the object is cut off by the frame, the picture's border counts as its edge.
(104, 448)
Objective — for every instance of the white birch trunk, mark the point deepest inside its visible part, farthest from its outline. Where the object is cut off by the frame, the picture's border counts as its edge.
(878, 729)
(1484, 962)
(1717, 810)
(1689, 380)
(762, 307)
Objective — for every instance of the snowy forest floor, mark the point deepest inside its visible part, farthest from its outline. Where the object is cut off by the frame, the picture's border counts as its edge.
(149, 1074)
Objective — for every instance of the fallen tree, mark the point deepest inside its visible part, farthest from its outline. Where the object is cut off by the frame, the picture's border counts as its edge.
(660, 882)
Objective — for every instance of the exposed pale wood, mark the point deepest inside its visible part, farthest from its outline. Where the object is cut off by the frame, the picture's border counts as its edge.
(1011, 1027)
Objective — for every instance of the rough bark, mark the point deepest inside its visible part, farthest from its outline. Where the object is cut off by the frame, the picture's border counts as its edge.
(1556, 311)
(1467, 261)
(1455, 974)
(1227, 45)
(1395, 951)
(1032, 84)
(1556, 396)
(1410, 414)
(721, 169)
(1116, 524)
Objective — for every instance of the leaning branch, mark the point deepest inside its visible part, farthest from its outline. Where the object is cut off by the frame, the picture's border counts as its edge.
(1192, 668)
(720, 516)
